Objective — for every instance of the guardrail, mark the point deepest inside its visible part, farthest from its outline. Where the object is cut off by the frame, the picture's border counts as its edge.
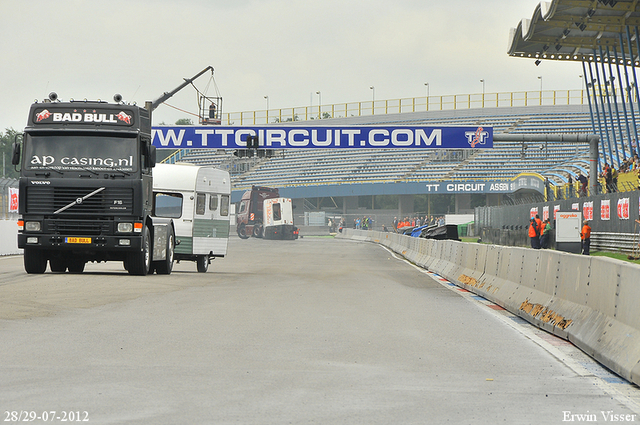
(413, 104)
(615, 242)
(590, 301)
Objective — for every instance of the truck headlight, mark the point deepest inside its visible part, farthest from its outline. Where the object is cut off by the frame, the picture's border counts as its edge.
(32, 226)
(125, 227)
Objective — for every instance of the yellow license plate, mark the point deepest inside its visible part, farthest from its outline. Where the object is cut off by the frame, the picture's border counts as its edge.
(77, 240)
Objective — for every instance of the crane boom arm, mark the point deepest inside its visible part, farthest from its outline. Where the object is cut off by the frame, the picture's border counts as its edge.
(166, 95)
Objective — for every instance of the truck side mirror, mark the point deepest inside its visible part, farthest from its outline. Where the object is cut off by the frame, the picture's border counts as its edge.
(152, 156)
(15, 156)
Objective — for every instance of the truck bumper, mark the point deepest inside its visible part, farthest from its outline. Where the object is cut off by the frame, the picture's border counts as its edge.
(80, 244)
(282, 231)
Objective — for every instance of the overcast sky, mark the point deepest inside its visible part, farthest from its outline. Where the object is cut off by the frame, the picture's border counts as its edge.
(287, 50)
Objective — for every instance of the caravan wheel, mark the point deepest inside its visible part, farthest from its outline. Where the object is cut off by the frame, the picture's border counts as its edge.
(202, 263)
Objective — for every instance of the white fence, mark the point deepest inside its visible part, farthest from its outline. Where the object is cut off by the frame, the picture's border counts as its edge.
(9, 237)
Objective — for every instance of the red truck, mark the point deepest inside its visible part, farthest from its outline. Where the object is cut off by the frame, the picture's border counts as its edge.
(249, 212)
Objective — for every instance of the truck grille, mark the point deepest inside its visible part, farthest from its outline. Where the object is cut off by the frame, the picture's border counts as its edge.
(111, 201)
(78, 227)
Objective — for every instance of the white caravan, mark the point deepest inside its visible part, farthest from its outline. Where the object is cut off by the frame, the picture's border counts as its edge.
(197, 199)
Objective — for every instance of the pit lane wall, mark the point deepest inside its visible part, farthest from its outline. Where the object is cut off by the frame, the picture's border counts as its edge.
(590, 301)
(9, 237)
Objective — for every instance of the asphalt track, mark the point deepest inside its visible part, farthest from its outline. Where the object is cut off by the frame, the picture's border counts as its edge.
(317, 330)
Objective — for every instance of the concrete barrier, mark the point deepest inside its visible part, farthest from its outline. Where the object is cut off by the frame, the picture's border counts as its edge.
(9, 237)
(590, 301)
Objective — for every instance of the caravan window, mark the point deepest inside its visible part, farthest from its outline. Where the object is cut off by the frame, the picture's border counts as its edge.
(213, 202)
(168, 205)
(224, 205)
(201, 203)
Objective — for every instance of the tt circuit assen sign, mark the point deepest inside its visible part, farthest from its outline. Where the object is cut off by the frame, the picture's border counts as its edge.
(309, 137)
(526, 181)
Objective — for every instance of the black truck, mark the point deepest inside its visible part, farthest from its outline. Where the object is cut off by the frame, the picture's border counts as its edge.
(86, 189)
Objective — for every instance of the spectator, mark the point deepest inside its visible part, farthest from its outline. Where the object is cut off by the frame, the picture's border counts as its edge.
(608, 177)
(534, 233)
(585, 236)
(544, 237)
(539, 224)
(571, 188)
(583, 185)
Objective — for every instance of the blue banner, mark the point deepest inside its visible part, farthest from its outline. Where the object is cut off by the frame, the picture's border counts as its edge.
(281, 137)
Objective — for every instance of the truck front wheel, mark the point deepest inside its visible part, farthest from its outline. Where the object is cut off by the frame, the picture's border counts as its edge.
(34, 261)
(76, 266)
(139, 262)
(57, 265)
(166, 266)
(242, 232)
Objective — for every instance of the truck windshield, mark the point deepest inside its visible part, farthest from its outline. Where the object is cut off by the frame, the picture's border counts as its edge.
(80, 152)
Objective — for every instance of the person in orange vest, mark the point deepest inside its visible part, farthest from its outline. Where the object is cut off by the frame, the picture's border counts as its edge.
(534, 233)
(540, 225)
(585, 235)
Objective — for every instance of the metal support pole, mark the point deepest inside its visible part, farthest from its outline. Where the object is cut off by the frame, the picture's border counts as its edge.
(604, 114)
(593, 164)
(615, 104)
(595, 102)
(635, 76)
(608, 99)
(629, 94)
(584, 73)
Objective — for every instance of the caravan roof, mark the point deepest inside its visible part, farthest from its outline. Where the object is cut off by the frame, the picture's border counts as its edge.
(188, 177)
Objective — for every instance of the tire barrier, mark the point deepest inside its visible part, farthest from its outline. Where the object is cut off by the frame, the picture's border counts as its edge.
(590, 301)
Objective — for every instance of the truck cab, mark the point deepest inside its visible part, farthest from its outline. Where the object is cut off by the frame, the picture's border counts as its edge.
(249, 212)
(86, 189)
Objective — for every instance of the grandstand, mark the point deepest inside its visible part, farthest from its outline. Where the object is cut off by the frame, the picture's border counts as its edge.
(313, 167)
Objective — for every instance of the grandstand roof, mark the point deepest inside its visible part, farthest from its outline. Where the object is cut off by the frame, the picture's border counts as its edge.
(573, 29)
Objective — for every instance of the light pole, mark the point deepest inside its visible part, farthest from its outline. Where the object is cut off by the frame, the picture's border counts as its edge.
(373, 100)
(483, 82)
(319, 104)
(427, 85)
(267, 99)
(540, 78)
